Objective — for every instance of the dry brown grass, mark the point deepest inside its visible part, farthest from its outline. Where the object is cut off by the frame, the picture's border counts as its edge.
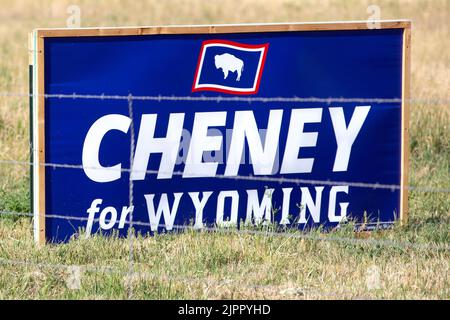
(235, 266)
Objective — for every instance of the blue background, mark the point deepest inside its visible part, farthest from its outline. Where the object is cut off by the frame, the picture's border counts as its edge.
(363, 64)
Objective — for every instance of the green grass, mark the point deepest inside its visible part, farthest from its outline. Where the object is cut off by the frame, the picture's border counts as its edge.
(218, 265)
(204, 265)
(15, 197)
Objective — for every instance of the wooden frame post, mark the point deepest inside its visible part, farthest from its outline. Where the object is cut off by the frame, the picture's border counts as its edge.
(38, 140)
(406, 96)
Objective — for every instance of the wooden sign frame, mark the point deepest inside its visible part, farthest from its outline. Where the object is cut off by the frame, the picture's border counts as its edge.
(37, 107)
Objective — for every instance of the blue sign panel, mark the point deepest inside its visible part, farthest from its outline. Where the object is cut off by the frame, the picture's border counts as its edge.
(210, 162)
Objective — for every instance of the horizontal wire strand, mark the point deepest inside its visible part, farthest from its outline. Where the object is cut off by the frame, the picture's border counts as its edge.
(297, 181)
(218, 99)
(295, 234)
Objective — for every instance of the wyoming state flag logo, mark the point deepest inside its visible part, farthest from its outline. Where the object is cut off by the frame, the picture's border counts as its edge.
(229, 67)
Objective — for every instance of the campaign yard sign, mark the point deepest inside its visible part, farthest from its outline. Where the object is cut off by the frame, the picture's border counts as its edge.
(205, 126)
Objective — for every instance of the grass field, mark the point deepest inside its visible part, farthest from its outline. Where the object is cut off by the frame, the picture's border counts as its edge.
(208, 266)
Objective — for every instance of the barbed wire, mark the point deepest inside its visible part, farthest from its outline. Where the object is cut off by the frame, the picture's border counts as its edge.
(152, 276)
(297, 181)
(297, 234)
(131, 279)
(130, 192)
(219, 99)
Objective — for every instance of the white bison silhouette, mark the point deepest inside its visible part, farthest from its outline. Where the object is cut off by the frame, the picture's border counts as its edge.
(229, 63)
